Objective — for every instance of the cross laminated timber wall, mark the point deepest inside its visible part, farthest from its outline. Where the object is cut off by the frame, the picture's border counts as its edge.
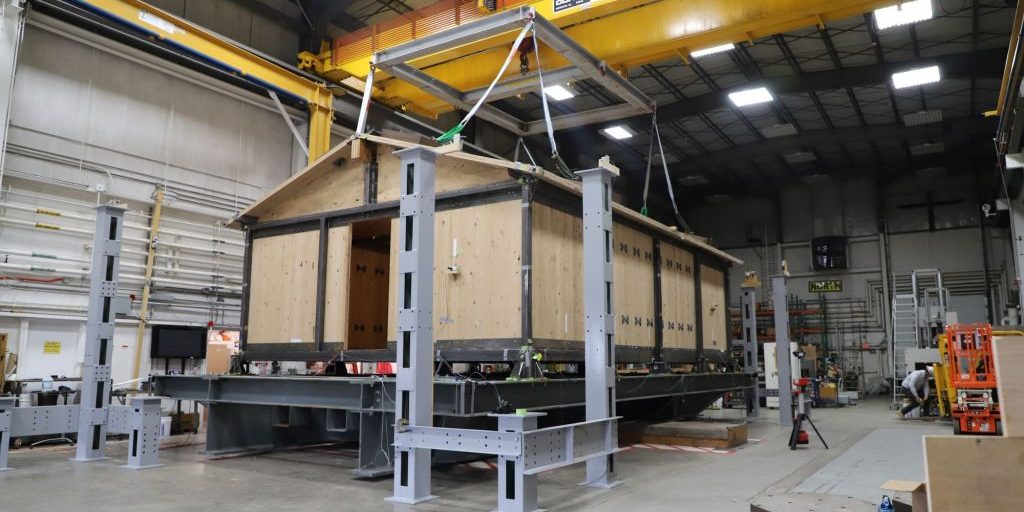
(478, 253)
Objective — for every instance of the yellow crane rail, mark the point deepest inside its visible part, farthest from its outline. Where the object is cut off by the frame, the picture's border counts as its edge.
(229, 57)
(624, 33)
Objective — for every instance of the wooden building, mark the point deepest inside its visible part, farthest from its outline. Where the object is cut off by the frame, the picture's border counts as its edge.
(321, 266)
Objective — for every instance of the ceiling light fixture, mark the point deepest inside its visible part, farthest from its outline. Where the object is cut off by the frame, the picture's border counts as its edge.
(618, 132)
(914, 77)
(558, 92)
(750, 97)
(703, 52)
(903, 14)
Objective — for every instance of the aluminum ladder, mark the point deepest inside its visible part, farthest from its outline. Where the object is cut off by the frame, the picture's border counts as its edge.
(904, 335)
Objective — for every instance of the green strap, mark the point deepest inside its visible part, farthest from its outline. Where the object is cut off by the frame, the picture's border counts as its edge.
(447, 136)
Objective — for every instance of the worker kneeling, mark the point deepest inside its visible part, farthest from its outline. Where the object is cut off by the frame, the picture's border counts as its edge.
(915, 389)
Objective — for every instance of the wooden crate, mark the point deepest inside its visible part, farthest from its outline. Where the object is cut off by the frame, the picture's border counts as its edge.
(321, 268)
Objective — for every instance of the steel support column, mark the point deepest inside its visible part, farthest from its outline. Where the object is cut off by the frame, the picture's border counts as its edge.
(517, 491)
(99, 333)
(1017, 231)
(782, 350)
(415, 346)
(599, 317)
(143, 433)
(748, 315)
(6, 416)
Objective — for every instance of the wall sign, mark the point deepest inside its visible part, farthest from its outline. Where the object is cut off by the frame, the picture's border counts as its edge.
(51, 347)
(825, 286)
(561, 5)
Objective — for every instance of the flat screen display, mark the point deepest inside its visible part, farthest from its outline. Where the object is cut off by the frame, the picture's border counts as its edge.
(178, 341)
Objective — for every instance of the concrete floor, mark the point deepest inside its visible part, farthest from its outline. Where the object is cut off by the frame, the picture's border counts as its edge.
(869, 446)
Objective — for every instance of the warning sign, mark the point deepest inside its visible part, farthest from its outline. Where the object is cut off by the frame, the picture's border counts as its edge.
(51, 347)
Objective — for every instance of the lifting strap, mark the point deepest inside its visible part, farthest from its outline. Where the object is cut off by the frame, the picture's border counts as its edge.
(668, 180)
(450, 134)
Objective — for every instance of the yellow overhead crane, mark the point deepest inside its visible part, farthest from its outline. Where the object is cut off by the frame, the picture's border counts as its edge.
(225, 55)
(624, 33)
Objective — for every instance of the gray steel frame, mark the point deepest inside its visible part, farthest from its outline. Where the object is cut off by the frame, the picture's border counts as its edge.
(99, 333)
(748, 316)
(599, 314)
(415, 318)
(584, 65)
(779, 302)
(245, 411)
(94, 418)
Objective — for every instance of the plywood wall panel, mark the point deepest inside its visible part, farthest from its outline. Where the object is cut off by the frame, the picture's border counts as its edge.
(368, 295)
(678, 304)
(713, 308)
(450, 174)
(974, 473)
(557, 274)
(342, 186)
(336, 290)
(633, 301)
(482, 300)
(282, 295)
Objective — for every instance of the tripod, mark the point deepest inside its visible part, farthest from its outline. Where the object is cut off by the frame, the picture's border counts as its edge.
(798, 435)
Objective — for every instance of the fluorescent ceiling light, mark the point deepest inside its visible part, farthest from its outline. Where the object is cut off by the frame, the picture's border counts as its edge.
(695, 179)
(618, 132)
(712, 50)
(558, 92)
(928, 148)
(800, 157)
(903, 14)
(750, 97)
(817, 178)
(923, 117)
(778, 130)
(919, 76)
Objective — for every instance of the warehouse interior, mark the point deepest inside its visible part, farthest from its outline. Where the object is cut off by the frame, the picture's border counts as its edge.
(511, 255)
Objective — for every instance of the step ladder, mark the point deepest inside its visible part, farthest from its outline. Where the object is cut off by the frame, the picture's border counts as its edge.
(904, 335)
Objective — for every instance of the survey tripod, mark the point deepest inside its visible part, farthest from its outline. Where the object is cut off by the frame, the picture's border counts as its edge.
(798, 435)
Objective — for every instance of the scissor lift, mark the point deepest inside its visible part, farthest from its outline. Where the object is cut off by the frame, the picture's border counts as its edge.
(972, 374)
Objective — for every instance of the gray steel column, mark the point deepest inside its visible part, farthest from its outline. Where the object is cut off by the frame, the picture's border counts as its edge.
(143, 433)
(517, 491)
(99, 333)
(414, 383)
(748, 315)
(782, 350)
(599, 318)
(1017, 231)
(6, 414)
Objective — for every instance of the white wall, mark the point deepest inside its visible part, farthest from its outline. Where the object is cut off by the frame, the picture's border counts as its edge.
(89, 114)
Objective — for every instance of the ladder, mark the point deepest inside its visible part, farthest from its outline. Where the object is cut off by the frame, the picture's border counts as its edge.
(904, 335)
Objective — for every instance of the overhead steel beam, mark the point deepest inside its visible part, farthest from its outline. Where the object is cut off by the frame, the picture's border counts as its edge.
(494, 25)
(956, 128)
(594, 69)
(446, 92)
(658, 30)
(525, 83)
(980, 64)
(582, 118)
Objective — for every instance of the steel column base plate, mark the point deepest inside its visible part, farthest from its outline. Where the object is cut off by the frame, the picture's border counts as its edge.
(76, 459)
(151, 466)
(393, 499)
(601, 485)
(534, 510)
(371, 472)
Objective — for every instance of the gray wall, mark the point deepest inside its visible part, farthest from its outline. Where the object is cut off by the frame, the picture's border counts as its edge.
(761, 231)
(270, 26)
